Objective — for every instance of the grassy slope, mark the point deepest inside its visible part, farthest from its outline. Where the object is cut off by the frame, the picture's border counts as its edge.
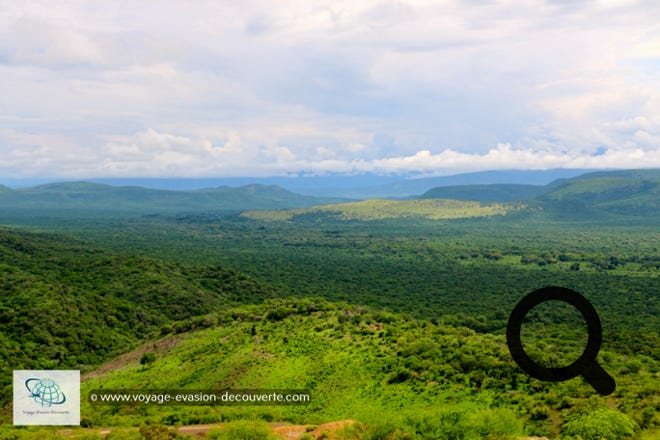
(377, 209)
(369, 366)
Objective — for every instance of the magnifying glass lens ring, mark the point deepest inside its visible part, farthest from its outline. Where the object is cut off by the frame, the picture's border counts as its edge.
(558, 294)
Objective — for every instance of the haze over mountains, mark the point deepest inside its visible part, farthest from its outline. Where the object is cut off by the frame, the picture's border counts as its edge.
(635, 192)
(360, 186)
(86, 197)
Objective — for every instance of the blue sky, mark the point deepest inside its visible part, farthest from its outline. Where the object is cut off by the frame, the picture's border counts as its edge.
(259, 88)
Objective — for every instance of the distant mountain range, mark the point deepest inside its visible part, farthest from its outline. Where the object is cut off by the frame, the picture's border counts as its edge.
(362, 186)
(631, 192)
(84, 198)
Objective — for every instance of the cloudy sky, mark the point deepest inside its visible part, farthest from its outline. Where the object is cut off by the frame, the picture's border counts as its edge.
(259, 88)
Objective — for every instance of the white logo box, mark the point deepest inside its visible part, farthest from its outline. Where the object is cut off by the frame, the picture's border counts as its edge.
(47, 397)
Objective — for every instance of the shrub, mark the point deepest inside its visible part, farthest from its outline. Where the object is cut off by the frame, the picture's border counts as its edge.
(597, 425)
(499, 423)
(158, 432)
(148, 358)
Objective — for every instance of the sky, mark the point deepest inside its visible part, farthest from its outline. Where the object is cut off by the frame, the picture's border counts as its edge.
(264, 88)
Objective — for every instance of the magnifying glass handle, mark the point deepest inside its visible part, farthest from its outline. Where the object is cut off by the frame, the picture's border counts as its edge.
(598, 378)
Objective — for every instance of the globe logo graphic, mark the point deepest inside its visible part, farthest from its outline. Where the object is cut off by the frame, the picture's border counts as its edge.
(45, 392)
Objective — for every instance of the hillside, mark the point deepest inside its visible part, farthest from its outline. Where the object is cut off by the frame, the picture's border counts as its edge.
(604, 195)
(84, 199)
(65, 305)
(486, 193)
(392, 373)
(634, 192)
(377, 209)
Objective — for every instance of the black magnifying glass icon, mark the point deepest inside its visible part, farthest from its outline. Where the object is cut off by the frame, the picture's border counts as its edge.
(586, 365)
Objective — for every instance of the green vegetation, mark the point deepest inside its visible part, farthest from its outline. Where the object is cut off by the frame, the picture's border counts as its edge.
(599, 424)
(65, 305)
(486, 193)
(390, 315)
(387, 209)
(432, 379)
(633, 193)
(600, 195)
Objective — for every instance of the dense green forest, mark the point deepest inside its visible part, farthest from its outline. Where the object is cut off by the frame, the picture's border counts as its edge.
(64, 305)
(448, 275)
(400, 315)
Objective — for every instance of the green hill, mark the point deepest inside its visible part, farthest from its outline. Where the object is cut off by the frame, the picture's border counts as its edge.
(64, 305)
(85, 199)
(486, 193)
(604, 195)
(630, 193)
(395, 374)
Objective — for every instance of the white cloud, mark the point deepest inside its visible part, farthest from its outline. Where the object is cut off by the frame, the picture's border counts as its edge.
(152, 154)
(218, 88)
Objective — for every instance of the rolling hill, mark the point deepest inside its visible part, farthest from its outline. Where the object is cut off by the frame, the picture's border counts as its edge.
(63, 305)
(401, 377)
(85, 199)
(630, 193)
(599, 195)
(486, 193)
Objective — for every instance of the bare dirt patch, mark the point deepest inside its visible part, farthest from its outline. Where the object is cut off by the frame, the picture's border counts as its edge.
(325, 431)
(161, 346)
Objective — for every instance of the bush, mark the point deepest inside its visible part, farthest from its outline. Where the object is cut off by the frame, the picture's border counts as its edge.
(158, 432)
(540, 412)
(466, 424)
(597, 425)
(148, 358)
(499, 423)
